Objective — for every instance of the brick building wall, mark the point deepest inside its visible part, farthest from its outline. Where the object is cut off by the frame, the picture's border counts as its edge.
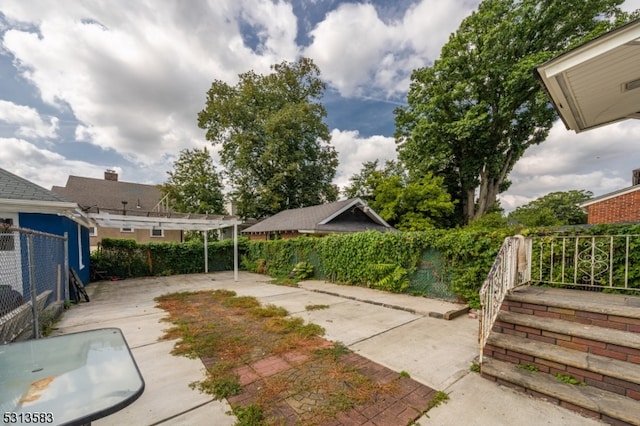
(620, 209)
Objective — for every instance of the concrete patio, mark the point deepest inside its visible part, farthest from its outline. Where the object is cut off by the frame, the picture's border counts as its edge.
(396, 331)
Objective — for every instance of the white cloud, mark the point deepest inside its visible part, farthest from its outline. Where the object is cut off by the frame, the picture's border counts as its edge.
(354, 150)
(278, 26)
(136, 76)
(359, 54)
(348, 44)
(600, 161)
(41, 166)
(27, 121)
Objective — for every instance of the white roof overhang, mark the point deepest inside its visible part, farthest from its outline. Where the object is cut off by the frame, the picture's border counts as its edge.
(597, 83)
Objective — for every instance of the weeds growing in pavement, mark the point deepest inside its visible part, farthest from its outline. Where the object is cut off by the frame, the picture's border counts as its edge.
(230, 333)
(249, 415)
(528, 367)
(566, 378)
(441, 397)
(315, 307)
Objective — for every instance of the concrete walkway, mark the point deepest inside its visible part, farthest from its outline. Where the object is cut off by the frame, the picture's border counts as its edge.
(396, 331)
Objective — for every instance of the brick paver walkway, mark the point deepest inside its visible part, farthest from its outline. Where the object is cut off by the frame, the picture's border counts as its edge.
(404, 402)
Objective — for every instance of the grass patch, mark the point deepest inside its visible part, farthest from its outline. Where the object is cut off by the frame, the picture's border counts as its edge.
(269, 311)
(220, 388)
(475, 367)
(405, 374)
(250, 415)
(285, 281)
(295, 325)
(334, 352)
(315, 307)
(229, 332)
(246, 302)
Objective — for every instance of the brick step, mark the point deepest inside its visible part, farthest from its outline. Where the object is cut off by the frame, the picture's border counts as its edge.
(587, 400)
(596, 370)
(557, 331)
(614, 311)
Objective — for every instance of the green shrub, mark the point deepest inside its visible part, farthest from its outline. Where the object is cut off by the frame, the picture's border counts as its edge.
(302, 270)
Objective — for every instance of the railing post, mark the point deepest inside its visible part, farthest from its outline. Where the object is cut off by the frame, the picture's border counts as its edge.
(32, 286)
(511, 268)
(66, 266)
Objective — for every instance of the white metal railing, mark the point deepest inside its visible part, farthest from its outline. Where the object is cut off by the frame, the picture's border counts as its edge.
(587, 262)
(512, 268)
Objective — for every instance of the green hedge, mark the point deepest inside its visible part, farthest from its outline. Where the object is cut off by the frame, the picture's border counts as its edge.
(125, 258)
(387, 261)
(384, 260)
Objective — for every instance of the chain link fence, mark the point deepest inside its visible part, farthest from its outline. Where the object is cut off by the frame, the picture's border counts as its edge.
(430, 278)
(33, 281)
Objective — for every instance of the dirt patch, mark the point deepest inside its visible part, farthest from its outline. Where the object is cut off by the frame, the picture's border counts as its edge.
(276, 370)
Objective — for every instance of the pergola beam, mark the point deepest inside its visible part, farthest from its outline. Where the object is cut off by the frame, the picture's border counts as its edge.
(182, 223)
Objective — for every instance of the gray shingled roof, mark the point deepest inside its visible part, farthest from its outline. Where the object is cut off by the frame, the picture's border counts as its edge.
(310, 218)
(610, 195)
(14, 187)
(93, 195)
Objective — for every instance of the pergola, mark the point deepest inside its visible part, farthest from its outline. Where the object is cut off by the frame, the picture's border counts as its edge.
(172, 221)
(598, 82)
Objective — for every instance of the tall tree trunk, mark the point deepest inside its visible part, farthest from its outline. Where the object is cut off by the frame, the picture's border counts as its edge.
(490, 185)
(469, 206)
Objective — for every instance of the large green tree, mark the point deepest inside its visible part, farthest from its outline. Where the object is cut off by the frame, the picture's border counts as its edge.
(364, 183)
(194, 185)
(553, 209)
(274, 143)
(407, 204)
(474, 112)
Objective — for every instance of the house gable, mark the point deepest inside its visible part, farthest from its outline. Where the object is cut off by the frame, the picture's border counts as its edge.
(352, 215)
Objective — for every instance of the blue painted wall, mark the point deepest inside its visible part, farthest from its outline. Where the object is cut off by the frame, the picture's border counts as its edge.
(58, 225)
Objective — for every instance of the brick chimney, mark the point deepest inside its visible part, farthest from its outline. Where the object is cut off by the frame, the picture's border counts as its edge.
(635, 180)
(111, 175)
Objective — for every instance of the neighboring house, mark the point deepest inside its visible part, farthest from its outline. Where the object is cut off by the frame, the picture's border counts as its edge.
(24, 204)
(345, 216)
(109, 195)
(621, 206)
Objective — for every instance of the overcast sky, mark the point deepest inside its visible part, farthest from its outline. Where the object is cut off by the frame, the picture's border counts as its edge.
(92, 85)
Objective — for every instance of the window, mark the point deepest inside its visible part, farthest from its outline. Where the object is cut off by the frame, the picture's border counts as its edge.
(126, 228)
(6, 237)
(93, 231)
(157, 232)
